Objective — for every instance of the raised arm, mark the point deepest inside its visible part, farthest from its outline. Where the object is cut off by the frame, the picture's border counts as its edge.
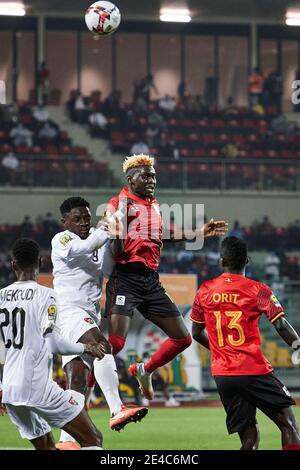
(94, 241)
(213, 228)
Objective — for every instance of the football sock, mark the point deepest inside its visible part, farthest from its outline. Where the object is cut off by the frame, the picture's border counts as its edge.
(64, 436)
(167, 351)
(117, 343)
(106, 374)
(291, 447)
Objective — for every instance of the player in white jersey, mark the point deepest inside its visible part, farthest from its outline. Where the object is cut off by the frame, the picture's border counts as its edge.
(34, 402)
(81, 257)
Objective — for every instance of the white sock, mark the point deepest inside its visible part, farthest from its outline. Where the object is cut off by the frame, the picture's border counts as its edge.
(64, 436)
(105, 372)
(92, 448)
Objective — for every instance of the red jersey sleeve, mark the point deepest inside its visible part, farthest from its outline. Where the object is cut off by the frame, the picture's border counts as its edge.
(197, 315)
(268, 303)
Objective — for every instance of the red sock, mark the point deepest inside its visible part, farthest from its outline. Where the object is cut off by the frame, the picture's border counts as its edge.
(291, 447)
(117, 343)
(167, 351)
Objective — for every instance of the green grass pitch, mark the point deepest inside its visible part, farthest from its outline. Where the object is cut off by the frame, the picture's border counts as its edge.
(184, 428)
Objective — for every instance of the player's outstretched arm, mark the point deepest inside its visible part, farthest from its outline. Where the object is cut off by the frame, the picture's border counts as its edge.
(94, 241)
(290, 336)
(199, 334)
(214, 228)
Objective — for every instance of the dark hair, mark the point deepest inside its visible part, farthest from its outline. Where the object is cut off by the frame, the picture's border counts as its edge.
(234, 252)
(72, 202)
(26, 252)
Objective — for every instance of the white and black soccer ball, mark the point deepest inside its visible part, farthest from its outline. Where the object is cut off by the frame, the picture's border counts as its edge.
(103, 18)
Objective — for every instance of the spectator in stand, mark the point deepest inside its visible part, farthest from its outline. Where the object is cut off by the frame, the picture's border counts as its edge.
(181, 91)
(255, 87)
(11, 164)
(152, 136)
(49, 228)
(184, 259)
(168, 147)
(230, 150)
(294, 229)
(276, 90)
(281, 125)
(210, 89)
(196, 106)
(47, 132)
(167, 104)
(230, 108)
(139, 147)
(10, 161)
(20, 135)
(80, 108)
(98, 124)
(272, 266)
(144, 87)
(266, 227)
(41, 114)
(155, 119)
(26, 228)
(112, 104)
(43, 84)
(236, 231)
(213, 260)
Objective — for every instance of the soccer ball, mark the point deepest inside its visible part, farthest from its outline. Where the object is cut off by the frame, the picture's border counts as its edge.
(102, 18)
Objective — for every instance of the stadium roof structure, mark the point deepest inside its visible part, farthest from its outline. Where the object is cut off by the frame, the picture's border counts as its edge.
(149, 10)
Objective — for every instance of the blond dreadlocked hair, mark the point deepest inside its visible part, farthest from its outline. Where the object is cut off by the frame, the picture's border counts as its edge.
(137, 160)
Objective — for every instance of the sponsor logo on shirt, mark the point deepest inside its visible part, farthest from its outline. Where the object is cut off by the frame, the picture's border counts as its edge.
(72, 401)
(120, 300)
(89, 320)
(275, 300)
(64, 239)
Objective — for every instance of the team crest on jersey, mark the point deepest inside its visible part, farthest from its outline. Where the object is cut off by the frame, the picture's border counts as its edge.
(275, 300)
(120, 300)
(89, 320)
(228, 279)
(72, 401)
(52, 312)
(64, 239)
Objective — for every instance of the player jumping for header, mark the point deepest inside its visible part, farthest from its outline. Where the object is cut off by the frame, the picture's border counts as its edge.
(229, 307)
(81, 257)
(134, 282)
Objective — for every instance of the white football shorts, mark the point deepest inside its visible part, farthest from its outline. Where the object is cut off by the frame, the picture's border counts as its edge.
(37, 420)
(73, 322)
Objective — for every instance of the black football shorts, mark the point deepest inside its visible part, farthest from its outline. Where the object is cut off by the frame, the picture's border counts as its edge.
(134, 286)
(242, 394)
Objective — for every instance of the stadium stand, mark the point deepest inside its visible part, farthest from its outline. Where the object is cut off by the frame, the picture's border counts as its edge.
(43, 157)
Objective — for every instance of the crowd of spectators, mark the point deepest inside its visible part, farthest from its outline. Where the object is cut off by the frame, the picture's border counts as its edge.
(34, 151)
(193, 138)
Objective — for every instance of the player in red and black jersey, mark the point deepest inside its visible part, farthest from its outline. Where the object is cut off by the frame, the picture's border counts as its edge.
(229, 308)
(134, 283)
